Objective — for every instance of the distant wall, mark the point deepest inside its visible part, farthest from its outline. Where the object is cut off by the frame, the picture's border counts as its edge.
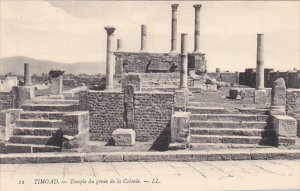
(291, 78)
(228, 77)
(152, 114)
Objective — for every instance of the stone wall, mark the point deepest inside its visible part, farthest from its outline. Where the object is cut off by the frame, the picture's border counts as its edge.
(151, 114)
(293, 99)
(153, 81)
(228, 77)
(7, 100)
(146, 62)
(106, 112)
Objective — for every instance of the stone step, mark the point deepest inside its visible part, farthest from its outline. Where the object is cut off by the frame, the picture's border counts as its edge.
(38, 131)
(42, 114)
(231, 124)
(53, 101)
(50, 107)
(232, 132)
(39, 123)
(218, 146)
(229, 117)
(30, 139)
(30, 148)
(206, 110)
(259, 111)
(233, 139)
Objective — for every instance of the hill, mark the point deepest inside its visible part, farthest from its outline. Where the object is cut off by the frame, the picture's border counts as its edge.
(15, 65)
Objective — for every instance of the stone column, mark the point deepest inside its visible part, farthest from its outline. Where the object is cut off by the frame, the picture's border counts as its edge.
(260, 63)
(119, 45)
(174, 28)
(109, 58)
(27, 74)
(197, 28)
(56, 77)
(143, 38)
(184, 63)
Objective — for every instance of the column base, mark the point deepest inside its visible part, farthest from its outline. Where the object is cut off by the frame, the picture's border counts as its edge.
(277, 110)
(173, 52)
(260, 96)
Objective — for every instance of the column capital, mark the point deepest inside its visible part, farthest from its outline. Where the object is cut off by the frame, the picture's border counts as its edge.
(174, 7)
(260, 34)
(110, 29)
(197, 6)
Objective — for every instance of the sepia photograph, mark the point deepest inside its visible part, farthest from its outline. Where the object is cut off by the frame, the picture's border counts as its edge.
(102, 95)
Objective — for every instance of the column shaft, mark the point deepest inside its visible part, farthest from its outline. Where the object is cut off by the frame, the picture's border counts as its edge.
(260, 63)
(27, 74)
(174, 28)
(143, 38)
(109, 59)
(197, 28)
(184, 63)
(119, 45)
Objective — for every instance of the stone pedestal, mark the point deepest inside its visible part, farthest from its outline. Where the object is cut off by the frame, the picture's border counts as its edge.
(180, 130)
(124, 137)
(56, 77)
(260, 96)
(197, 62)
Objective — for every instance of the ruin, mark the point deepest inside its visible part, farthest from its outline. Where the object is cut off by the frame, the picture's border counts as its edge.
(167, 100)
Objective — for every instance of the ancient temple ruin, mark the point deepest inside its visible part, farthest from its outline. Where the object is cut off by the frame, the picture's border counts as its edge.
(168, 100)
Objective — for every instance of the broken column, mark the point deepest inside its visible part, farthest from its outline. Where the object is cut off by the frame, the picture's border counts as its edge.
(260, 94)
(143, 38)
(278, 97)
(197, 29)
(56, 77)
(174, 28)
(119, 45)
(109, 58)
(27, 74)
(184, 64)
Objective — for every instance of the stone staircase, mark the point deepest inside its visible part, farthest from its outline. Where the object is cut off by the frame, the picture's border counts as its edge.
(39, 127)
(216, 128)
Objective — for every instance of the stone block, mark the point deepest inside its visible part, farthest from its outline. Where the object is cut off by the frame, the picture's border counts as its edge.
(180, 127)
(260, 96)
(75, 123)
(285, 126)
(124, 137)
(8, 122)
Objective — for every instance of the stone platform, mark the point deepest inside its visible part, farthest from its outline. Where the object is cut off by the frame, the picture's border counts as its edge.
(188, 156)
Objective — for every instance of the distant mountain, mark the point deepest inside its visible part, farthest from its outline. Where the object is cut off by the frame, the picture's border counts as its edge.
(15, 65)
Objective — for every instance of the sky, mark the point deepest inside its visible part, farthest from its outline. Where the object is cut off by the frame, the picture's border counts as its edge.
(73, 31)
